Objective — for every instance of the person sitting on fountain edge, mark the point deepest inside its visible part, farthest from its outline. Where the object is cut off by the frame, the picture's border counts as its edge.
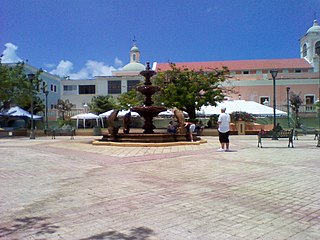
(171, 128)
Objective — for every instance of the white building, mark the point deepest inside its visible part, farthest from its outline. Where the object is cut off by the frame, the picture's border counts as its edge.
(80, 92)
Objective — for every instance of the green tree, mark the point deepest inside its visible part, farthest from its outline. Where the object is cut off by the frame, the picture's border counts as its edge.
(16, 87)
(38, 105)
(130, 99)
(101, 104)
(296, 101)
(188, 90)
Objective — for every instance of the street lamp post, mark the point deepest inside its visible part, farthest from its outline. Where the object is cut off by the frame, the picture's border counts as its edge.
(46, 92)
(318, 53)
(288, 105)
(274, 75)
(31, 78)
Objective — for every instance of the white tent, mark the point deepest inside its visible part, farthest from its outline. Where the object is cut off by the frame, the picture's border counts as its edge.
(167, 113)
(84, 117)
(19, 112)
(251, 107)
(120, 113)
(170, 113)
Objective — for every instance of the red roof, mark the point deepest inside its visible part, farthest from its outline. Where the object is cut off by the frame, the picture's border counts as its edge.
(294, 63)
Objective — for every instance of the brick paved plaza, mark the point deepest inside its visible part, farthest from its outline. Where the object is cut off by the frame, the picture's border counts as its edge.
(70, 189)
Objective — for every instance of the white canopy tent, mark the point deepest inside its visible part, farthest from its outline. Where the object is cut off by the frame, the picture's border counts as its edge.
(84, 117)
(19, 112)
(167, 113)
(170, 113)
(121, 113)
(250, 107)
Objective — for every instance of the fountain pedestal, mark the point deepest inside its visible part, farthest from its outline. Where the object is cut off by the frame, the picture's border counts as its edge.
(148, 112)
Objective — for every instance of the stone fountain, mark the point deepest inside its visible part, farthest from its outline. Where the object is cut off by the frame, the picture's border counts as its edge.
(148, 112)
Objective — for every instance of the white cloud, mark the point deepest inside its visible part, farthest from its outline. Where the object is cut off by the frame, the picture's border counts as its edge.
(118, 63)
(49, 65)
(91, 69)
(9, 54)
(65, 67)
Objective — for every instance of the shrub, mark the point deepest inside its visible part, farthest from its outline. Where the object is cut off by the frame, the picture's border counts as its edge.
(241, 116)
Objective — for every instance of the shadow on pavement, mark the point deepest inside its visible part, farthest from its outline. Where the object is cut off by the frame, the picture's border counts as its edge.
(140, 233)
(34, 224)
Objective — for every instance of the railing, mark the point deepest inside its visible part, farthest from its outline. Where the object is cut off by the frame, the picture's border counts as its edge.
(53, 114)
(305, 108)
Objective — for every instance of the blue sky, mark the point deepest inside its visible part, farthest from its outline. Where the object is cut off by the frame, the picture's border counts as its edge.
(83, 38)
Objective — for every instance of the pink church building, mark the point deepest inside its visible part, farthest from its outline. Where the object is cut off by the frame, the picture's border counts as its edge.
(251, 79)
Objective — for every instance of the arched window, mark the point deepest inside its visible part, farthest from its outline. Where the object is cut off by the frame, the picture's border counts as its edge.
(317, 48)
(304, 50)
(134, 57)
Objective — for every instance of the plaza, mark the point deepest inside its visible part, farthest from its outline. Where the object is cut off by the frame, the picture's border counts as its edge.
(71, 189)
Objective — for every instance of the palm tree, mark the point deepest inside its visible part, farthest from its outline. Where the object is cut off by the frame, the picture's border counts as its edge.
(296, 102)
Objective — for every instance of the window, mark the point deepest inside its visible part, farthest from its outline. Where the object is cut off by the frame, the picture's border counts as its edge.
(114, 87)
(317, 46)
(245, 72)
(134, 57)
(265, 100)
(297, 71)
(131, 84)
(87, 89)
(309, 100)
(53, 88)
(70, 89)
(304, 50)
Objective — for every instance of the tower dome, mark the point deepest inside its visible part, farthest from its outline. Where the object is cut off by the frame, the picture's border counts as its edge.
(315, 28)
(134, 65)
(134, 49)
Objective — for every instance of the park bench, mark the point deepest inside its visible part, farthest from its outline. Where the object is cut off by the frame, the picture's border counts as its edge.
(304, 131)
(65, 130)
(279, 134)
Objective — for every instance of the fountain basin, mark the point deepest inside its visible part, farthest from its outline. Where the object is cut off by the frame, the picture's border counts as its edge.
(146, 138)
(145, 90)
(145, 111)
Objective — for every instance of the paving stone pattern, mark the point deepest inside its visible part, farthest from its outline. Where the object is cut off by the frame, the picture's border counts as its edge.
(70, 189)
